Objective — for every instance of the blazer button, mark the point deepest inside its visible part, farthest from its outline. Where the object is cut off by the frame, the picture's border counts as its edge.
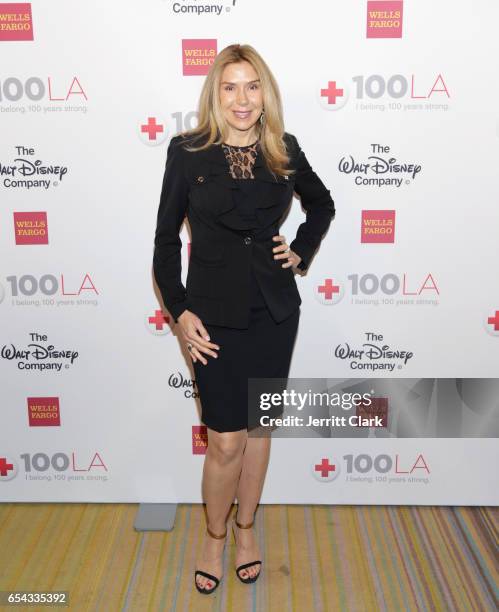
(247, 240)
(200, 179)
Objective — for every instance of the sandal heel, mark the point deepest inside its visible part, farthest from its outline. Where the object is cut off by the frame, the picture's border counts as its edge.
(206, 574)
(249, 579)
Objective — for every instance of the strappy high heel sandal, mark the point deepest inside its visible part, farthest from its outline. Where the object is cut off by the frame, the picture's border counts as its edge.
(249, 579)
(205, 574)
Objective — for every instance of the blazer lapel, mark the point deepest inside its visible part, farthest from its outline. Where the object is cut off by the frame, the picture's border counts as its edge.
(214, 161)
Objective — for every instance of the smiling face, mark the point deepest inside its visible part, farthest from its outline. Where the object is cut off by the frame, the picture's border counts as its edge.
(241, 101)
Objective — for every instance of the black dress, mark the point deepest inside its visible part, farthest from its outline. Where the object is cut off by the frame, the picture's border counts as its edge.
(263, 350)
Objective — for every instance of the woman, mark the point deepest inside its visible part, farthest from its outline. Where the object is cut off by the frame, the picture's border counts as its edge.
(234, 176)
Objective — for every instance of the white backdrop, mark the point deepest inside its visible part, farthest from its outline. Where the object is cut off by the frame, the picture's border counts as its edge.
(117, 421)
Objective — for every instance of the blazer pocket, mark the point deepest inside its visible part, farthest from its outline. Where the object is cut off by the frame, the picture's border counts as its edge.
(203, 192)
(202, 179)
(209, 255)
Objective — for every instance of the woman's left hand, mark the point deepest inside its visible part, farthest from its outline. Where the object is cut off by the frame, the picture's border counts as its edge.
(292, 259)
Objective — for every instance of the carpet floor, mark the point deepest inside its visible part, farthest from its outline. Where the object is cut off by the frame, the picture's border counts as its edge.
(317, 558)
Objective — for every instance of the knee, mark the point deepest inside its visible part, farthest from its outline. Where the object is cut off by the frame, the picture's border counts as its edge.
(226, 447)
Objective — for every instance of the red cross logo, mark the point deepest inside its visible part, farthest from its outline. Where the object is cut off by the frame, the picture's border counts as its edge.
(328, 288)
(5, 467)
(332, 92)
(159, 320)
(324, 467)
(494, 321)
(151, 128)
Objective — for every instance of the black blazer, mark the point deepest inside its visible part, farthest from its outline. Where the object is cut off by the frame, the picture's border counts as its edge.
(224, 244)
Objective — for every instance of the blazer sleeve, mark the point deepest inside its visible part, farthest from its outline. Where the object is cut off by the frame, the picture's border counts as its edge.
(173, 203)
(318, 204)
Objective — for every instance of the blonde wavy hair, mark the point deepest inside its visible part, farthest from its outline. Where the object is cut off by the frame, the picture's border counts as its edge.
(212, 127)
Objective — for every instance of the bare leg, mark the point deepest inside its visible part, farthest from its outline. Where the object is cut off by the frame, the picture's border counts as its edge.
(249, 490)
(221, 470)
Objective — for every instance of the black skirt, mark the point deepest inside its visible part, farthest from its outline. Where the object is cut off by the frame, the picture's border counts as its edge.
(263, 350)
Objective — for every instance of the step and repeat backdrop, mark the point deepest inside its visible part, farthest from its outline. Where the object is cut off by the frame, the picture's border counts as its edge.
(395, 105)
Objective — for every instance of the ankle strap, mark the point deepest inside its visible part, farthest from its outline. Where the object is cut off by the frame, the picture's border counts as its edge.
(214, 535)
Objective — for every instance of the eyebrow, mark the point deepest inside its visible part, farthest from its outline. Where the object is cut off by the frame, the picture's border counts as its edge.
(249, 82)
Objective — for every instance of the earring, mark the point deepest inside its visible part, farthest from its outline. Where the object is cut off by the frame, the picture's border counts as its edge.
(262, 117)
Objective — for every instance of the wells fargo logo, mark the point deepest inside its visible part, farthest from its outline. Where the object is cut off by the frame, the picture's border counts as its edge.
(378, 226)
(198, 54)
(43, 411)
(16, 21)
(199, 439)
(384, 19)
(31, 227)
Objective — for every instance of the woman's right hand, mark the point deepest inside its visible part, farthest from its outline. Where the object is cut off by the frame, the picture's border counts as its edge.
(195, 332)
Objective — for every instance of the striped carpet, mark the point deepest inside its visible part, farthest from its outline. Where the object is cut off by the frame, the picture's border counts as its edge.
(315, 558)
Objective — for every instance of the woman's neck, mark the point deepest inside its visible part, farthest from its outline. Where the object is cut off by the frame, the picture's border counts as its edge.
(237, 140)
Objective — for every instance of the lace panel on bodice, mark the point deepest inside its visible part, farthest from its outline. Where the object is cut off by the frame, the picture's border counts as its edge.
(241, 159)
